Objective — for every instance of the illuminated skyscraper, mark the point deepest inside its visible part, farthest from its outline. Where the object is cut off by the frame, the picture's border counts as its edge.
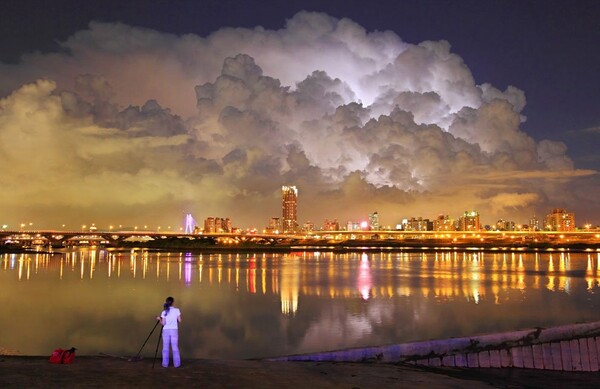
(289, 207)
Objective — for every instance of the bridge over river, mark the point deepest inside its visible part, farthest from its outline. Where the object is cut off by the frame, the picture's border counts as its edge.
(319, 239)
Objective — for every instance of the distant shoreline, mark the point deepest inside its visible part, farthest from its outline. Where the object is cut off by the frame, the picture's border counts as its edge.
(335, 247)
(356, 245)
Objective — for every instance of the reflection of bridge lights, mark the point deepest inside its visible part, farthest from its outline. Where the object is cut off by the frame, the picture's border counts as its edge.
(187, 271)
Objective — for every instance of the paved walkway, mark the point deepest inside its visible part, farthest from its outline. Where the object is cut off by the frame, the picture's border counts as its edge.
(36, 372)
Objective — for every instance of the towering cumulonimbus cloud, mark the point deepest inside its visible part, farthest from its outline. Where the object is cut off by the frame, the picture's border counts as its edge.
(140, 125)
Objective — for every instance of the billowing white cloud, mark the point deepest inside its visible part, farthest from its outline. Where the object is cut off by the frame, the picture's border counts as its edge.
(138, 124)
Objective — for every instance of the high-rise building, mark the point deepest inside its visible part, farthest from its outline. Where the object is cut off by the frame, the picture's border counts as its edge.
(560, 220)
(217, 224)
(353, 226)
(534, 224)
(469, 221)
(374, 221)
(209, 225)
(331, 225)
(274, 225)
(289, 207)
(418, 224)
(505, 225)
(443, 223)
(308, 226)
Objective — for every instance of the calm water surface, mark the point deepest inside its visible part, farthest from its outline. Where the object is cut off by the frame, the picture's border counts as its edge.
(250, 306)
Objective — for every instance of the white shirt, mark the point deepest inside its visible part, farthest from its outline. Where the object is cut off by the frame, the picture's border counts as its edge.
(170, 319)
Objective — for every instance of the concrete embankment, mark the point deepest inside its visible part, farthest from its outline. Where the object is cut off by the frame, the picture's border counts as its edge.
(574, 347)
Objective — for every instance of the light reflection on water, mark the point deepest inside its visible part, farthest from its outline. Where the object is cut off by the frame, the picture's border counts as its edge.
(257, 305)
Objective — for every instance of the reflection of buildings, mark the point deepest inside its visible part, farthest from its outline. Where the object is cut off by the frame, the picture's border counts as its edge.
(560, 220)
(289, 287)
(443, 275)
(289, 207)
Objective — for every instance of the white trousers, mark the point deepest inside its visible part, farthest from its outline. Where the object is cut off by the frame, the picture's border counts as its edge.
(170, 338)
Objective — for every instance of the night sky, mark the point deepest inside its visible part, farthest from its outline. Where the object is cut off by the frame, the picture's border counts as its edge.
(127, 112)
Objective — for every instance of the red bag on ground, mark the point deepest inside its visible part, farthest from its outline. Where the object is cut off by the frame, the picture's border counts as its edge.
(63, 356)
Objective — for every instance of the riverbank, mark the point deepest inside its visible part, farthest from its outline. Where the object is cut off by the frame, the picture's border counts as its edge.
(96, 371)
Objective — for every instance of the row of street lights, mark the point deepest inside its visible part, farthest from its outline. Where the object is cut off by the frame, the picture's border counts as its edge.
(111, 228)
(92, 227)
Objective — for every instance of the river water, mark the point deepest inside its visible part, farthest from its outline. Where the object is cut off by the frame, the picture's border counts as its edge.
(259, 305)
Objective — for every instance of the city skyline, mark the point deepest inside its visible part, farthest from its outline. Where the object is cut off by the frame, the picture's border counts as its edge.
(120, 115)
(557, 219)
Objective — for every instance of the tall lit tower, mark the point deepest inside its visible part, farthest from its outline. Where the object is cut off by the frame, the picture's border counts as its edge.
(289, 205)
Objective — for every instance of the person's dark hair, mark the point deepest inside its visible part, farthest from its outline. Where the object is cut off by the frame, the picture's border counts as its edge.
(168, 303)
